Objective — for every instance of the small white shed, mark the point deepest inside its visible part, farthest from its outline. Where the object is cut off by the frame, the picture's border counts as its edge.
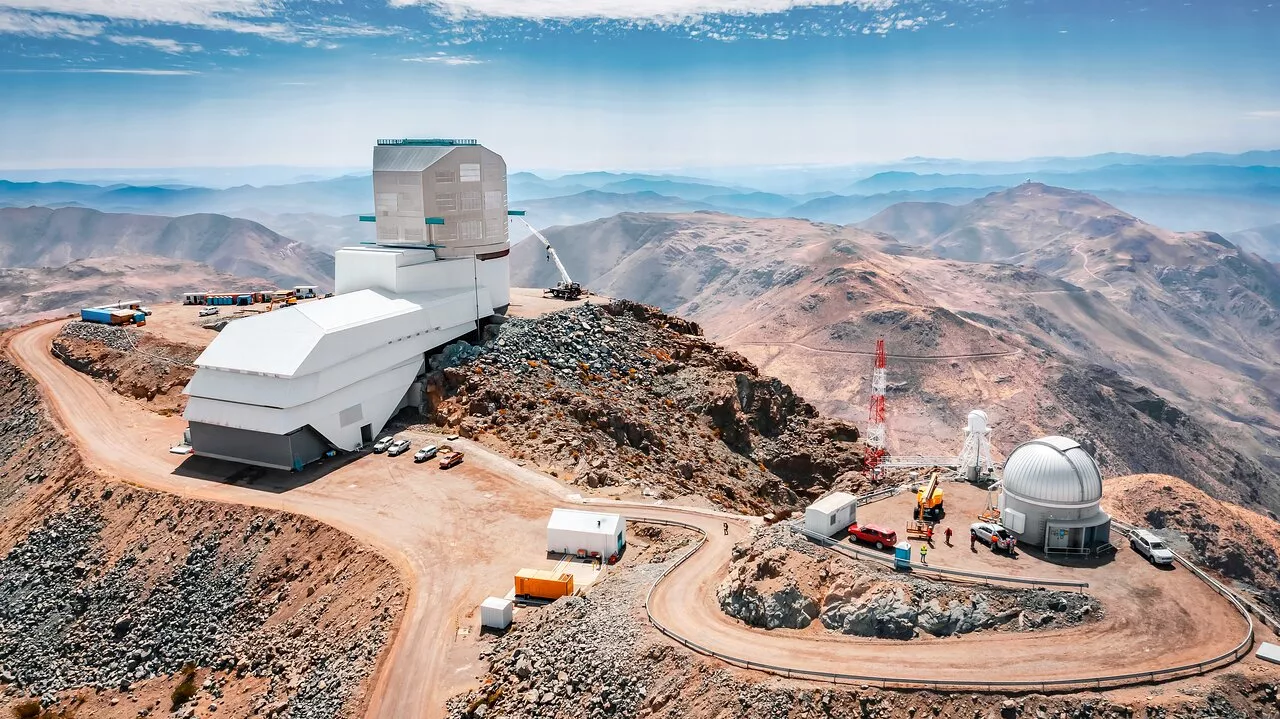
(831, 514)
(586, 533)
(495, 612)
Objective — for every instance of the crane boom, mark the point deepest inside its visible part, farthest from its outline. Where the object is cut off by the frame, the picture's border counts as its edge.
(551, 252)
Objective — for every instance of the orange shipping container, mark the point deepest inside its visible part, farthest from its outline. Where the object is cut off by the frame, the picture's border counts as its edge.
(543, 584)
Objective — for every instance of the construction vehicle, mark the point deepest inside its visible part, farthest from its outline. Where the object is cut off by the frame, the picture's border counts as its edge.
(928, 509)
(566, 289)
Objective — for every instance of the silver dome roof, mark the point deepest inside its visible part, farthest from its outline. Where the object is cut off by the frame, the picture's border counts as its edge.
(1054, 470)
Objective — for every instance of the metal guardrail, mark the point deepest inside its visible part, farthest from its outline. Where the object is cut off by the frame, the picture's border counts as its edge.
(1263, 615)
(857, 553)
(1051, 686)
(876, 496)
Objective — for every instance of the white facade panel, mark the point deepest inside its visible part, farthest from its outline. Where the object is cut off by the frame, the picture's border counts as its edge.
(571, 531)
(831, 514)
(496, 613)
(495, 275)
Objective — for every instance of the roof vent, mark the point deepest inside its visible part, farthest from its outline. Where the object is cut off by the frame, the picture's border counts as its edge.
(429, 142)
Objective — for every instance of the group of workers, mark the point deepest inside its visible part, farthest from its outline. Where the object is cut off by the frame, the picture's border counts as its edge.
(928, 542)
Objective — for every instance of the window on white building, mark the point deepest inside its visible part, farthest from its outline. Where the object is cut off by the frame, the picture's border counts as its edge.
(493, 230)
(471, 230)
(447, 202)
(471, 200)
(445, 176)
(494, 199)
(469, 172)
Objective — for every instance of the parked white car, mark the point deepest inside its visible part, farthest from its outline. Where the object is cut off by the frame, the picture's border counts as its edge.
(381, 445)
(207, 311)
(1151, 547)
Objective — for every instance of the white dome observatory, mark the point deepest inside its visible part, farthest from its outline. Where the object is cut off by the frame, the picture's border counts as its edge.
(1051, 493)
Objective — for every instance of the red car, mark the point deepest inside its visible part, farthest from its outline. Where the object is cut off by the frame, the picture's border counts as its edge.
(872, 534)
(449, 459)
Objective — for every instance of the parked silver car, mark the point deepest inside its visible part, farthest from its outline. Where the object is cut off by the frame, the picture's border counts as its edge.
(398, 447)
(381, 445)
(425, 453)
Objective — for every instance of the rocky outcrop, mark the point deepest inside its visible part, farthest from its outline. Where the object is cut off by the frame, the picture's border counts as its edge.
(759, 594)
(626, 396)
(776, 580)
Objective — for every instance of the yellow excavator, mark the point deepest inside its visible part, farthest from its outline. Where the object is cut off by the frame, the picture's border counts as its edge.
(928, 508)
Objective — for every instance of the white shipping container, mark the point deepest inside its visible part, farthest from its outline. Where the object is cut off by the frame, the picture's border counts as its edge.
(496, 612)
(831, 514)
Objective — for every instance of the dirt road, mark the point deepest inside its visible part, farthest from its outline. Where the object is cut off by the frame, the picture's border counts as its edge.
(457, 535)
(454, 535)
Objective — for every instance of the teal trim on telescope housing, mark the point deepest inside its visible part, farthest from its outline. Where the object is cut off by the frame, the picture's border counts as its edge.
(430, 142)
(435, 220)
(368, 218)
(515, 213)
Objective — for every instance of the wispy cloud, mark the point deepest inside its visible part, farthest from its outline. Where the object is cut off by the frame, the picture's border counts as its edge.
(22, 23)
(1263, 115)
(159, 43)
(104, 71)
(442, 58)
(657, 10)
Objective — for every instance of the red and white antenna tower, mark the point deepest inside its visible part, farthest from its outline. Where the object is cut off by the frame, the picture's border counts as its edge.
(876, 446)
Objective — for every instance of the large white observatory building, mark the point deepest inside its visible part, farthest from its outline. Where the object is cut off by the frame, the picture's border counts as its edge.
(1051, 493)
(282, 388)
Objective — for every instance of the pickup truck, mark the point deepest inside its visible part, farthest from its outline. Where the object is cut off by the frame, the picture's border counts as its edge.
(872, 534)
(994, 535)
(448, 459)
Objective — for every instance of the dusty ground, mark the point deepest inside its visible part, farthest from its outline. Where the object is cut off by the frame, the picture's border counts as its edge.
(1240, 545)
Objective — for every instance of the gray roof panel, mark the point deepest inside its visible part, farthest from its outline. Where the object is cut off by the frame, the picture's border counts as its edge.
(407, 158)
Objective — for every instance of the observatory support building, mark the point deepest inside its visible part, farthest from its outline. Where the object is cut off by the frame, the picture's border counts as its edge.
(282, 388)
(1051, 493)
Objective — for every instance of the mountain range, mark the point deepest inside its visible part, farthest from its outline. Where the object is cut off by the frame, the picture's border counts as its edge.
(1067, 316)
(42, 237)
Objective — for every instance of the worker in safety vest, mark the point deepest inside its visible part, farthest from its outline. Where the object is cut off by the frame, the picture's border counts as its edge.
(924, 554)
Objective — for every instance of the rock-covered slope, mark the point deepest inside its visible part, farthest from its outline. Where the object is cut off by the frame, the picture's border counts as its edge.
(779, 580)
(626, 398)
(109, 593)
(43, 237)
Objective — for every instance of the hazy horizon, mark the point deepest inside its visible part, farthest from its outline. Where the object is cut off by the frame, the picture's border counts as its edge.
(660, 85)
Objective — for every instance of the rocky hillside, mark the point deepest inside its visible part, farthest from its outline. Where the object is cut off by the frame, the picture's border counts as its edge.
(135, 364)
(113, 597)
(43, 237)
(625, 398)
(1240, 545)
(33, 293)
(806, 302)
(779, 580)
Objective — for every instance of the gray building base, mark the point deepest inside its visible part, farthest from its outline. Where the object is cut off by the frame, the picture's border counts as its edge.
(278, 451)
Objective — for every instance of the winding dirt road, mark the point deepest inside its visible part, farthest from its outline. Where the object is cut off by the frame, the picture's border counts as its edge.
(457, 536)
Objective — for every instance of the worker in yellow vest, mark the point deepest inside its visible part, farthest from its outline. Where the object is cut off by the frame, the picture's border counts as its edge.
(924, 554)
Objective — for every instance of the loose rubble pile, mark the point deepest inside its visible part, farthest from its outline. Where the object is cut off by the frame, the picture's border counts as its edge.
(135, 364)
(624, 396)
(779, 580)
(71, 617)
(107, 590)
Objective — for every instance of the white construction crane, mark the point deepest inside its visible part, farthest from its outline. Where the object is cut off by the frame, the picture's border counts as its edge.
(567, 289)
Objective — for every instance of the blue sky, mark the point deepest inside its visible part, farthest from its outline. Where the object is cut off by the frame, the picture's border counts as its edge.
(635, 84)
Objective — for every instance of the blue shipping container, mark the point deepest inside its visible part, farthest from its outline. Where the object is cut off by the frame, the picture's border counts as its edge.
(140, 317)
(96, 315)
